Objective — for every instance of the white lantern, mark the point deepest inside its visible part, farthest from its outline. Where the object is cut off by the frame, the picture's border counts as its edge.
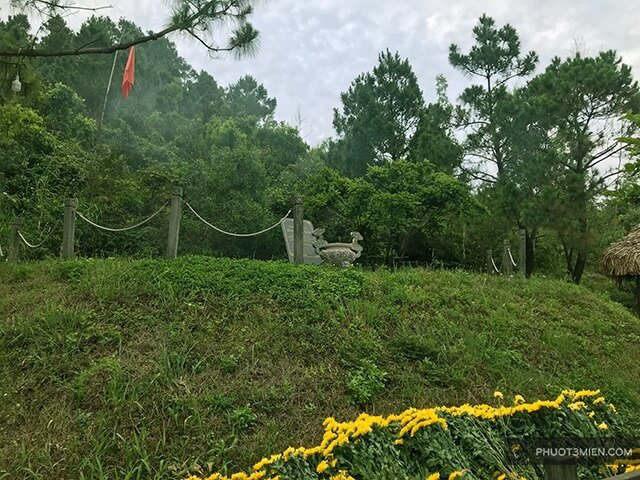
(16, 85)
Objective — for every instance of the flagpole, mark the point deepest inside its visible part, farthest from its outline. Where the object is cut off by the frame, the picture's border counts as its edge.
(106, 95)
(113, 68)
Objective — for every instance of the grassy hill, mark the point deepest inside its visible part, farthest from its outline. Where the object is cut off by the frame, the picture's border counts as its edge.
(149, 368)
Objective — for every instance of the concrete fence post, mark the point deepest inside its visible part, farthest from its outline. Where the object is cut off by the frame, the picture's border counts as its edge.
(298, 231)
(490, 270)
(69, 228)
(523, 252)
(507, 266)
(14, 240)
(174, 222)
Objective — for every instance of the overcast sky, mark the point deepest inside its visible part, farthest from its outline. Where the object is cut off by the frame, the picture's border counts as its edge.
(310, 50)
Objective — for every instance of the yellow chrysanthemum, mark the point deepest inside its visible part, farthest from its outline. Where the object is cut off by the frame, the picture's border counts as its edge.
(434, 476)
(603, 426)
(518, 399)
(456, 474)
(342, 475)
(585, 393)
(498, 394)
(322, 466)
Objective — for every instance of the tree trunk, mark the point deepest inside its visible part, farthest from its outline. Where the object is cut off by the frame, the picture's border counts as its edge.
(583, 233)
(530, 238)
(568, 258)
(578, 268)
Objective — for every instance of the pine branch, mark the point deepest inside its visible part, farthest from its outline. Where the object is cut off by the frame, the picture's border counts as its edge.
(186, 25)
(54, 6)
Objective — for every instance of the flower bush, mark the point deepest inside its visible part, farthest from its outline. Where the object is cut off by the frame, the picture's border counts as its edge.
(467, 441)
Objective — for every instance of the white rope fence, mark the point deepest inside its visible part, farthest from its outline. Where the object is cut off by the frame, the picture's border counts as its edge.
(37, 245)
(513, 262)
(231, 234)
(124, 229)
(495, 267)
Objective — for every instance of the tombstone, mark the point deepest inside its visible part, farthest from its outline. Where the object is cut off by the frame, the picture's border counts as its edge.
(310, 255)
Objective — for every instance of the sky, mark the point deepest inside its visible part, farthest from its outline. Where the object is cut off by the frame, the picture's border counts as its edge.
(311, 50)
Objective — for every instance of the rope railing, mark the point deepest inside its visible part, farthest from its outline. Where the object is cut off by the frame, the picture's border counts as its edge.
(495, 267)
(513, 262)
(177, 205)
(231, 234)
(124, 229)
(37, 245)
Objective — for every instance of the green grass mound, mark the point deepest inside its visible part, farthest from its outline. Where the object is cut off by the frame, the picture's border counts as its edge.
(156, 369)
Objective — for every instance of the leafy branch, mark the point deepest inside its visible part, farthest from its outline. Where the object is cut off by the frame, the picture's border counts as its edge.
(189, 16)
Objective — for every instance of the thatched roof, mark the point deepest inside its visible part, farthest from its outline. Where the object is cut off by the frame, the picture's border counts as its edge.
(622, 258)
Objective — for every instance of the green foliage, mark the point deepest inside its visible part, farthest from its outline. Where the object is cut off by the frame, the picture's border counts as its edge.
(494, 60)
(434, 139)
(380, 113)
(402, 209)
(365, 382)
(578, 117)
(241, 418)
(247, 98)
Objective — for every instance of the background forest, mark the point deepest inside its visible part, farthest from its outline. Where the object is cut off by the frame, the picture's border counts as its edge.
(548, 149)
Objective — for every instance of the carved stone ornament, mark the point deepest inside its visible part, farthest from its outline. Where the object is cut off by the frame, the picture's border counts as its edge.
(340, 254)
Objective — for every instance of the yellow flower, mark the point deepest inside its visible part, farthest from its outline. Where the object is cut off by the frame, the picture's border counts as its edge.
(399, 441)
(591, 414)
(498, 394)
(456, 474)
(322, 466)
(613, 408)
(518, 399)
(603, 426)
(585, 393)
(577, 406)
(598, 400)
(342, 475)
(502, 477)
(434, 476)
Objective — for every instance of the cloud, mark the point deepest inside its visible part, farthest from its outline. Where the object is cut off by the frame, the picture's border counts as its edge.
(310, 51)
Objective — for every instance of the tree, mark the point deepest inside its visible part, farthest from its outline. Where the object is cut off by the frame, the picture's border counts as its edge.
(495, 60)
(198, 18)
(403, 209)
(434, 139)
(248, 98)
(380, 114)
(203, 98)
(583, 99)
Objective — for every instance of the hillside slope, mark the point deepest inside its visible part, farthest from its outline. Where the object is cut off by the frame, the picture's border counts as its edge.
(149, 368)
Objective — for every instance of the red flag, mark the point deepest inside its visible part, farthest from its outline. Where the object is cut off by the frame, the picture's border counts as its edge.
(129, 73)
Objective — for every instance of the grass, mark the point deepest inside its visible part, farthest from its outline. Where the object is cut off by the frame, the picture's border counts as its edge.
(132, 369)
